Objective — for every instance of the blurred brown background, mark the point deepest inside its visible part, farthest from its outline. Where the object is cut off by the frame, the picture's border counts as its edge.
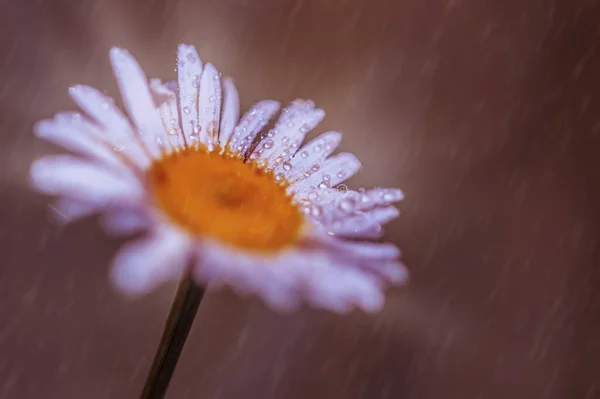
(487, 114)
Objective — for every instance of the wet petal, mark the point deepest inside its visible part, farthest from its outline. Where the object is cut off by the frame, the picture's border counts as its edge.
(282, 142)
(250, 125)
(231, 112)
(334, 171)
(310, 157)
(138, 100)
(166, 99)
(189, 71)
(209, 106)
(116, 129)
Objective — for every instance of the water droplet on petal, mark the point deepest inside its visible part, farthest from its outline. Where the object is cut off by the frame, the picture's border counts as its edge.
(186, 110)
(287, 166)
(304, 154)
(342, 188)
(269, 144)
(196, 82)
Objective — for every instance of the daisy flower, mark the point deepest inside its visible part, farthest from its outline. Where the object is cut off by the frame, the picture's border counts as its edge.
(215, 195)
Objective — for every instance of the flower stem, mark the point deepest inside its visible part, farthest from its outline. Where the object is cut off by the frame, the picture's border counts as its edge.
(177, 327)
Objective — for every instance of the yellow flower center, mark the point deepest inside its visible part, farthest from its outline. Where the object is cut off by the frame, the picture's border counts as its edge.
(219, 196)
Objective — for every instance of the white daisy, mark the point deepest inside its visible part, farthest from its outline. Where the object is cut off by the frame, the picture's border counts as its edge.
(256, 212)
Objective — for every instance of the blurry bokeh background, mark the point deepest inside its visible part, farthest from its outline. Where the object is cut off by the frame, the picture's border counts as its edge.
(487, 114)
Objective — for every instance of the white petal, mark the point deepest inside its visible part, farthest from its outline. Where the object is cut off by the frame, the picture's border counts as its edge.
(209, 106)
(282, 142)
(138, 100)
(74, 178)
(145, 264)
(116, 128)
(363, 249)
(339, 289)
(250, 125)
(231, 112)
(383, 215)
(166, 98)
(67, 210)
(73, 133)
(313, 154)
(356, 226)
(124, 222)
(334, 171)
(353, 201)
(189, 72)
(391, 271)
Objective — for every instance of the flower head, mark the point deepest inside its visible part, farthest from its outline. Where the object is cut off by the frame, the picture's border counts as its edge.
(256, 211)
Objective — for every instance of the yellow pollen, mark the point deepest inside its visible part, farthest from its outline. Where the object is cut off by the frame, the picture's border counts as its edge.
(219, 196)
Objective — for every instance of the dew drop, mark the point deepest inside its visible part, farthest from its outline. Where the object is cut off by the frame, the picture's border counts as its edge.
(186, 110)
(315, 167)
(341, 174)
(364, 198)
(318, 148)
(304, 128)
(324, 184)
(287, 166)
(269, 144)
(279, 177)
(119, 148)
(172, 132)
(304, 154)
(196, 82)
(313, 195)
(342, 188)
(285, 139)
(326, 177)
